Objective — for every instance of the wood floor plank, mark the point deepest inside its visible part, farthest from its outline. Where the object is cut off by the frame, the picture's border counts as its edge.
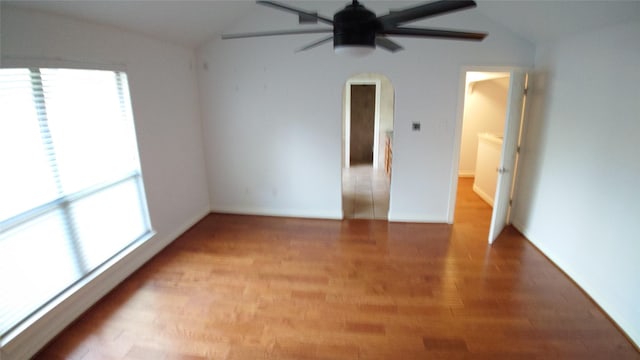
(248, 287)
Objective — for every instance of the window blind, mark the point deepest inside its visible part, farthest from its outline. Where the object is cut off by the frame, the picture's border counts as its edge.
(71, 194)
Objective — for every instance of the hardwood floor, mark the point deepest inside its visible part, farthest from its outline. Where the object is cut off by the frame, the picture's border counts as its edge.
(245, 287)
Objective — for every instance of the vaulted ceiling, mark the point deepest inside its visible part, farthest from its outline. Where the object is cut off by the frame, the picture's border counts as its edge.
(191, 23)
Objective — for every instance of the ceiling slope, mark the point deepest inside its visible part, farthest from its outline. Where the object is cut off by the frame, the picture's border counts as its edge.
(191, 23)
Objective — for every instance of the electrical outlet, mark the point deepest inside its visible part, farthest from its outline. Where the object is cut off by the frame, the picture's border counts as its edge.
(415, 126)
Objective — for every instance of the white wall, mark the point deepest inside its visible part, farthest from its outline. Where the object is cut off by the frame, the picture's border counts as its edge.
(485, 108)
(273, 123)
(578, 198)
(165, 105)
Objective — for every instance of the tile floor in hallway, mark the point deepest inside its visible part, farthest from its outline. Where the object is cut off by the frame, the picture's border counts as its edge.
(365, 192)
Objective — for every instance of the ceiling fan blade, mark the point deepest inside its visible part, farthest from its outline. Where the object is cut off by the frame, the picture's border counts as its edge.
(301, 13)
(435, 33)
(315, 43)
(274, 33)
(395, 18)
(387, 44)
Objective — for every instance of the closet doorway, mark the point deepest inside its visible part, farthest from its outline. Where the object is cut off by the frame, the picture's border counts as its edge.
(489, 136)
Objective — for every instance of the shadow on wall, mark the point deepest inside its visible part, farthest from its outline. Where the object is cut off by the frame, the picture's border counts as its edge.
(534, 143)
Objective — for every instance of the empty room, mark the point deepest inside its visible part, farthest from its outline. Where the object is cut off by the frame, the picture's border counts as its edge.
(174, 180)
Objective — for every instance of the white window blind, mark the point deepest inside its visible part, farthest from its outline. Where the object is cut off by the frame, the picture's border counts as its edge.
(71, 194)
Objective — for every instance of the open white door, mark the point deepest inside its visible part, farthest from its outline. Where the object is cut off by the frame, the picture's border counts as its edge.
(506, 168)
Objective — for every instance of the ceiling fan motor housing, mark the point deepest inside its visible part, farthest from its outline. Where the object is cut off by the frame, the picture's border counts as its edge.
(354, 26)
(357, 31)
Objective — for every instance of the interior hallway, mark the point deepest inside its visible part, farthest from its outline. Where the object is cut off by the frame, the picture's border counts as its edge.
(365, 192)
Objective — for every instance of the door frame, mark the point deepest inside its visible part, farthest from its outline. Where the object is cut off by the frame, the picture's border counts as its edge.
(346, 145)
(457, 142)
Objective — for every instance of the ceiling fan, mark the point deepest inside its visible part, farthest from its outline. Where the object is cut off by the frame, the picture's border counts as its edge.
(358, 30)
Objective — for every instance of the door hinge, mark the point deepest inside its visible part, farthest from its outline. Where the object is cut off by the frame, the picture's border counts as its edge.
(518, 149)
(510, 202)
(526, 90)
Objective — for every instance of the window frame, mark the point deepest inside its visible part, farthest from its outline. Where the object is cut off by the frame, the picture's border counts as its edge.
(65, 201)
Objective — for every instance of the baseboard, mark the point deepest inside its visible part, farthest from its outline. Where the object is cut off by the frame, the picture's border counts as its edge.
(483, 195)
(29, 339)
(621, 322)
(465, 174)
(415, 218)
(297, 213)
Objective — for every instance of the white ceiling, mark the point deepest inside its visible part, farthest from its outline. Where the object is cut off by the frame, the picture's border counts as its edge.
(187, 22)
(475, 76)
(544, 20)
(191, 23)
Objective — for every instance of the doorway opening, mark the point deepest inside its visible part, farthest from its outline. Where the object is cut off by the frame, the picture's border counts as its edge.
(368, 109)
(489, 135)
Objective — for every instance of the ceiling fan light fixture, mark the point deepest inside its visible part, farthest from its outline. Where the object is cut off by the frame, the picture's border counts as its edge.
(354, 31)
(354, 50)
(357, 31)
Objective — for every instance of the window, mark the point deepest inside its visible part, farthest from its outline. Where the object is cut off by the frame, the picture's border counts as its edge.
(71, 194)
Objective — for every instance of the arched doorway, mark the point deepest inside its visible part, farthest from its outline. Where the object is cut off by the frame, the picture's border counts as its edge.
(368, 112)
